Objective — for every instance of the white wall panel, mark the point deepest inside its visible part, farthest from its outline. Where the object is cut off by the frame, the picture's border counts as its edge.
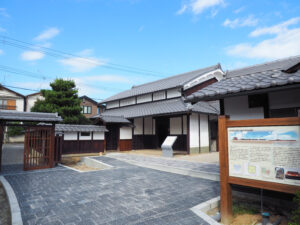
(175, 126)
(237, 108)
(148, 125)
(125, 133)
(113, 104)
(127, 101)
(144, 98)
(20, 105)
(138, 123)
(172, 93)
(194, 130)
(70, 136)
(204, 132)
(85, 137)
(159, 95)
(98, 136)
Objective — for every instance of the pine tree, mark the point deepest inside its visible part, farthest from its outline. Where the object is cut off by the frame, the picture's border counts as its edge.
(63, 99)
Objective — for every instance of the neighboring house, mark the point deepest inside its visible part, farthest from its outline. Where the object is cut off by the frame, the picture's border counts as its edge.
(11, 100)
(267, 90)
(89, 107)
(157, 110)
(31, 99)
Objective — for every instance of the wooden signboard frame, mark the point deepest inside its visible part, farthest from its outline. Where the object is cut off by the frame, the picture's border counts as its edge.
(226, 181)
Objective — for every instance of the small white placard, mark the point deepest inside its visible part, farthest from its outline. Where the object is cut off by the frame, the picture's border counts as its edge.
(169, 141)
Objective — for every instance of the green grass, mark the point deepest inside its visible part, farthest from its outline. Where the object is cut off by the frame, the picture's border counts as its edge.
(239, 209)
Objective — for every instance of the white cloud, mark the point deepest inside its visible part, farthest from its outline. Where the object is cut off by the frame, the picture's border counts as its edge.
(182, 10)
(47, 34)
(237, 11)
(1, 52)
(198, 6)
(32, 55)
(284, 43)
(4, 13)
(2, 29)
(277, 29)
(141, 28)
(250, 21)
(82, 63)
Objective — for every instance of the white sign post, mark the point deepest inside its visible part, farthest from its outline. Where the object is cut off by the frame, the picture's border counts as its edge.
(166, 147)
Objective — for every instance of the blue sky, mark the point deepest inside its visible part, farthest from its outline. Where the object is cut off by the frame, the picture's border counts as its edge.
(167, 37)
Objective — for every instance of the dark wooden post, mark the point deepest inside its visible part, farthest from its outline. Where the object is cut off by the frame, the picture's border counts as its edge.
(225, 188)
(188, 133)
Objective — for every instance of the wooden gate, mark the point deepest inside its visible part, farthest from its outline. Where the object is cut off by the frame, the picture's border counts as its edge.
(39, 147)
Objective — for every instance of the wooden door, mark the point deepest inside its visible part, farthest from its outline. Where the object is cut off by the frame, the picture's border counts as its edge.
(38, 148)
(112, 137)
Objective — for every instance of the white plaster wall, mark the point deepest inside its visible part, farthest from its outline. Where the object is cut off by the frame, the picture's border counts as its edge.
(284, 99)
(138, 123)
(144, 98)
(113, 104)
(237, 108)
(172, 93)
(125, 133)
(204, 132)
(159, 95)
(184, 124)
(20, 104)
(175, 126)
(127, 101)
(70, 136)
(98, 136)
(31, 100)
(194, 130)
(85, 137)
(148, 125)
(153, 123)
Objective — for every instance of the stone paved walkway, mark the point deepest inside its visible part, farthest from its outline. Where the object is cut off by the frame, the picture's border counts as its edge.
(169, 162)
(125, 194)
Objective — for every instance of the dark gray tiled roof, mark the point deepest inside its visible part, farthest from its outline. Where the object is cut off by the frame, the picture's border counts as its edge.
(280, 64)
(171, 106)
(111, 119)
(79, 128)
(162, 84)
(12, 115)
(241, 81)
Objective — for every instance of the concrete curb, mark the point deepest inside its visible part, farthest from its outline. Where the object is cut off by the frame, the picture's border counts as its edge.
(15, 211)
(192, 173)
(201, 209)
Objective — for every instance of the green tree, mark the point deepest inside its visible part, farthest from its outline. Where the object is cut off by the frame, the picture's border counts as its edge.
(63, 99)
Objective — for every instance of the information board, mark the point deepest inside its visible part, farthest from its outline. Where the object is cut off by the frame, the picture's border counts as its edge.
(169, 141)
(269, 153)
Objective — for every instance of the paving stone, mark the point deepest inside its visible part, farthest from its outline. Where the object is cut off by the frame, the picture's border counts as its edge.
(125, 194)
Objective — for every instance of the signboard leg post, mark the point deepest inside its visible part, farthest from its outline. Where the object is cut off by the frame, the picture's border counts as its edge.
(225, 187)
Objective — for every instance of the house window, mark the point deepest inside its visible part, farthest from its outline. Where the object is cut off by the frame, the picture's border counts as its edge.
(86, 109)
(3, 104)
(85, 134)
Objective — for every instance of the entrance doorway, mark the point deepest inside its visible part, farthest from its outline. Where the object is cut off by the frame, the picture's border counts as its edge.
(162, 129)
(112, 137)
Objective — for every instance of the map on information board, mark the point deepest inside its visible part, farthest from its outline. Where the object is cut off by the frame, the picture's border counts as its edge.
(270, 153)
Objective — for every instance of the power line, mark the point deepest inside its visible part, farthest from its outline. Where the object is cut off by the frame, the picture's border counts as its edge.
(61, 54)
(35, 75)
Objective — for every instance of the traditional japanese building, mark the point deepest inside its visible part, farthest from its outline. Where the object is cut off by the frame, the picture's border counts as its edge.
(268, 90)
(142, 117)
